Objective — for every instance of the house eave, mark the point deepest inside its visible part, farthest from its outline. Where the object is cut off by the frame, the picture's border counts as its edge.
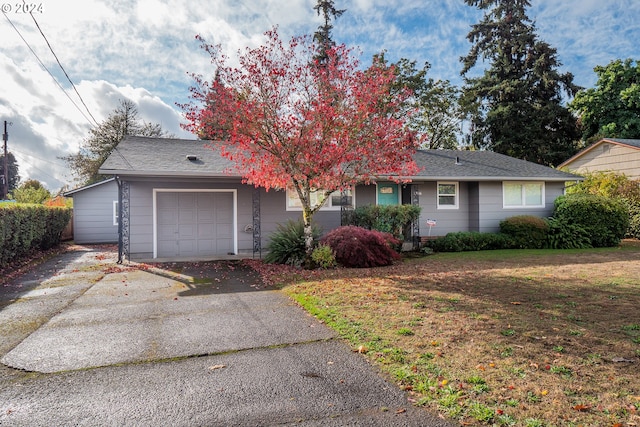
(166, 174)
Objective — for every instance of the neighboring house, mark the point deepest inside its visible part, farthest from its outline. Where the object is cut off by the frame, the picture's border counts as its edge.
(608, 155)
(95, 212)
(180, 202)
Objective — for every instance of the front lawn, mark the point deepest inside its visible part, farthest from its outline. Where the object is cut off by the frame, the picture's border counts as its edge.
(521, 337)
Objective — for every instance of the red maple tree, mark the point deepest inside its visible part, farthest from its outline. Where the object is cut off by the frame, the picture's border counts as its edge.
(288, 121)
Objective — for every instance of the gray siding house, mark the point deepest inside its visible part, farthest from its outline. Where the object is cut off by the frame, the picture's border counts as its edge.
(179, 201)
(95, 212)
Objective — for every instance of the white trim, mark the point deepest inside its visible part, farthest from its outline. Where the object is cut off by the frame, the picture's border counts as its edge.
(115, 212)
(456, 205)
(194, 190)
(523, 194)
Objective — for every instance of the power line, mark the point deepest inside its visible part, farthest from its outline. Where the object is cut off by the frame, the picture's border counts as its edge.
(49, 72)
(40, 170)
(61, 67)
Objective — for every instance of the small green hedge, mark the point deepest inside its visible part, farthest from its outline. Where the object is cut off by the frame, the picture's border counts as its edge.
(464, 241)
(526, 231)
(25, 228)
(394, 219)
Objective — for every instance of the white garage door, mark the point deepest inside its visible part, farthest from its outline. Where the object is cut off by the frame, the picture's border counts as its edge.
(194, 224)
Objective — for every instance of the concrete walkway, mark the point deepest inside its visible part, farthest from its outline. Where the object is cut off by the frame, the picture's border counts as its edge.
(89, 342)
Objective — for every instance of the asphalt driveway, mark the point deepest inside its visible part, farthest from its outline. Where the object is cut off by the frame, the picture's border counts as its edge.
(85, 341)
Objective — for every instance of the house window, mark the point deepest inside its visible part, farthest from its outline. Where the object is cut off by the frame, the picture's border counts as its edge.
(115, 212)
(333, 202)
(447, 195)
(523, 194)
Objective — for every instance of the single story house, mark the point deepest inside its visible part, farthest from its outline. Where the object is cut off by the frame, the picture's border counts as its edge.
(608, 155)
(95, 212)
(178, 201)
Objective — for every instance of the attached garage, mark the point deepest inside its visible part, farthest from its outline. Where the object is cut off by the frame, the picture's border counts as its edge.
(194, 223)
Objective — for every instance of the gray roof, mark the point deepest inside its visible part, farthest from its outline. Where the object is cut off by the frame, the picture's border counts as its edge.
(164, 157)
(137, 155)
(482, 166)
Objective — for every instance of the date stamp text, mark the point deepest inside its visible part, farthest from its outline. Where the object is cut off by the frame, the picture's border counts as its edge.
(20, 8)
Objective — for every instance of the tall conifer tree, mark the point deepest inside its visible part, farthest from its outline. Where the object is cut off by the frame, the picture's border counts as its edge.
(515, 106)
(322, 36)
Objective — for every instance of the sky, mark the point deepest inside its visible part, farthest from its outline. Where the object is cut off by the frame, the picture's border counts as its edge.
(145, 50)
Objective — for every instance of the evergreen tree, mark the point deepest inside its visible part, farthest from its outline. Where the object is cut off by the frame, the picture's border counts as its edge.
(12, 167)
(323, 36)
(103, 138)
(515, 107)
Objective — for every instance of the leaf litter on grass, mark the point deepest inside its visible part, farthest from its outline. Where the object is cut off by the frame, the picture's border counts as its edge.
(565, 300)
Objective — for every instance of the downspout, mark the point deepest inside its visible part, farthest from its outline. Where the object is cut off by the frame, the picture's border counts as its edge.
(120, 241)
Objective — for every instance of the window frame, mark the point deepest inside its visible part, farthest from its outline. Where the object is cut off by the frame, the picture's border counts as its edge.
(523, 195)
(327, 206)
(456, 195)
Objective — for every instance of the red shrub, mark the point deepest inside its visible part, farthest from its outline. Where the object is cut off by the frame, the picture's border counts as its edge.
(359, 247)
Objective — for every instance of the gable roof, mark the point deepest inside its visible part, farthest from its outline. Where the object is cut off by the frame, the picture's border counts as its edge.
(630, 143)
(87, 187)
(166, 157)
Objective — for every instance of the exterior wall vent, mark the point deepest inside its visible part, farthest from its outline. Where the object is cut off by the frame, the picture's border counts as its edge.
(192, 157)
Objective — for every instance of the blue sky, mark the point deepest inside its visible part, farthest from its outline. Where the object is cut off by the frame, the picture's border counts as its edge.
(144, 49)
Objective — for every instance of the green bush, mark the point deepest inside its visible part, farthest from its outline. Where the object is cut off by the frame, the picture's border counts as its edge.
(617, 186)
(526, 231)
(394, 219)
(286, 245)
(564, 235)
(25, 228)
(604, 219)
(323, 257)
(463, 241)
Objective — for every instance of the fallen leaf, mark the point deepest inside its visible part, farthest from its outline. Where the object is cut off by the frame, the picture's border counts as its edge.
(516, 303)
(401, 410)
(214, 367)
(582, 408)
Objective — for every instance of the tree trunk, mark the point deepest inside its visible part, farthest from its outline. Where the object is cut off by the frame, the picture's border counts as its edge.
(308, 233)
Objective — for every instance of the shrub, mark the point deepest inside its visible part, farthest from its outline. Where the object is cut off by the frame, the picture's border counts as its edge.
(564, 235)
(394, 219)
(25, 228)
(604, 219)
(470, 241)
(323, 257)
(287, 244)
(526, 231)
(359, 247)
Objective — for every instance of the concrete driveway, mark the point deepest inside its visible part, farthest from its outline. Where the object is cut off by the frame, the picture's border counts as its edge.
(87, 342)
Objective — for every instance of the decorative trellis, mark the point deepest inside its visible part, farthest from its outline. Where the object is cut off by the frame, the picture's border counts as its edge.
(124, 214)
(257, 235)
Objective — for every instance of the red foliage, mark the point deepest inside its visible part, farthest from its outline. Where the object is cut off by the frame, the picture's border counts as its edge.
(289, 122)
(359, 247)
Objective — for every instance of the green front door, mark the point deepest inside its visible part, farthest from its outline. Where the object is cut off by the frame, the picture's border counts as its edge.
(388, 193)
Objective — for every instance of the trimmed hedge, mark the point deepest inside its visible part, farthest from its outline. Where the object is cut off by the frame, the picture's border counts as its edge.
(394, 219)
(604, 219)
(526, 231)
(463, 241)
(25, 228)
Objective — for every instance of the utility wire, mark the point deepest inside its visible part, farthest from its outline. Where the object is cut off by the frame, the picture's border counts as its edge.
(62, 68)
(19, 157)
(47, 70)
